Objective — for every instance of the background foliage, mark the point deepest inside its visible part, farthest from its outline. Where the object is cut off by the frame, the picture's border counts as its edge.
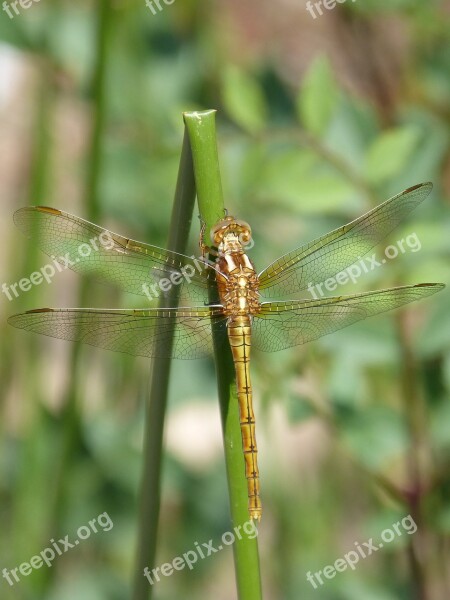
(319, 120)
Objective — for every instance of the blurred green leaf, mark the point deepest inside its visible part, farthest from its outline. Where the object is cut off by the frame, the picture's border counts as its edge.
(425, 161)
(319, 97)
(299, 180)
(299, 409)
(375, 435)
(390, 152)
(244, 99)
(351, 131)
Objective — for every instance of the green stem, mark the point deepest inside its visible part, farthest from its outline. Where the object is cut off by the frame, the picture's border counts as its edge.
(202, 135)
(99, 92)
(154, 423)
(33, 469)
(415, 415)
(70, 418)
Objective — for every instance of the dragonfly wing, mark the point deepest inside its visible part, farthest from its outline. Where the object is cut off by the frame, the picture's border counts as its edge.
(181, 333)
(133, 266)
(328, 255)
(282, 325)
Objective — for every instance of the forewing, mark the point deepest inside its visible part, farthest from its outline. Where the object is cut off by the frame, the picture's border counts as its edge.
(281, 325)
(326, 256)
(133, 266)
(138, 332)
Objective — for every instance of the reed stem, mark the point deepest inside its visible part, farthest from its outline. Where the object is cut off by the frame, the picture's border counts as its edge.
(156, 409)
(202, 135)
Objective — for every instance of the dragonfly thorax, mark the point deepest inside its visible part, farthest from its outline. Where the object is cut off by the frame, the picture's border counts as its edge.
(230, 244)
(237, 280)
(238, 284)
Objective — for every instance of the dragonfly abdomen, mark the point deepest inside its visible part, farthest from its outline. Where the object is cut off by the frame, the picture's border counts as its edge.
(239, 335)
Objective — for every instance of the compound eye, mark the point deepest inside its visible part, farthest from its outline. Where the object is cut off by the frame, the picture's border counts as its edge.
(216, 235)
(218, 230)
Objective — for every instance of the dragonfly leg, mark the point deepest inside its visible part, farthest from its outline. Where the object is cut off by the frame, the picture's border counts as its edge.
(201, 240)
(204, 249)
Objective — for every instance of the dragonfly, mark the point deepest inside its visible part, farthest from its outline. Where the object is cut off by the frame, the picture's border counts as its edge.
(243, 309)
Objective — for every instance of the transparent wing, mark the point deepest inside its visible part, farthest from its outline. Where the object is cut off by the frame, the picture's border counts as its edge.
(89, 249)
(328, 255)
(285, 324)
(137, 332)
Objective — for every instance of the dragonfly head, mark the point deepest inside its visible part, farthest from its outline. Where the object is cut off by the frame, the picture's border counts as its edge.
(229, 226)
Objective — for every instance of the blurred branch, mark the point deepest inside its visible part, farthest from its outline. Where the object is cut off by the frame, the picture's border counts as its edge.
(414, 413)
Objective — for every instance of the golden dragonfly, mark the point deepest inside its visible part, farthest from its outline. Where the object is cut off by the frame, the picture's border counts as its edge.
(237, 313)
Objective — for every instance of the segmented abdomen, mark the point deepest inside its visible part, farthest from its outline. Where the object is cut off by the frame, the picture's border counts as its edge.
(239, 335)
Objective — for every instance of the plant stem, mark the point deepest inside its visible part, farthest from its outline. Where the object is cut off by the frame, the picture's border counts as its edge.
(99, 92)
(70, 426)
(202, 135)
(415, 415)
(154, 422)
(32, 468)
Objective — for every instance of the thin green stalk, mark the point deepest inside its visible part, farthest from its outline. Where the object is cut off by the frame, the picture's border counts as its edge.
(28, 512)
(70, 417)
(202, 135)
(154, 422)
(415, 416)
(99, 93)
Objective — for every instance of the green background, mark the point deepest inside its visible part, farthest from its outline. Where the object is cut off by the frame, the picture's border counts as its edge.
(319, 120)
